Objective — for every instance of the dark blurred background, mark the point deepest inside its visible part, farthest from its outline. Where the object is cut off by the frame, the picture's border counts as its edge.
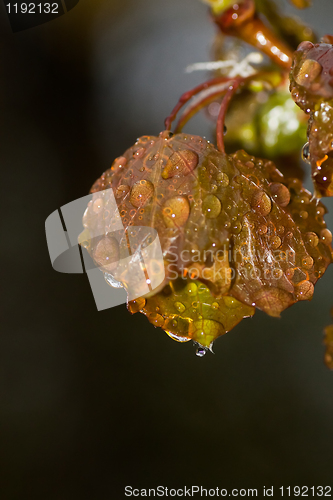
(93, 401)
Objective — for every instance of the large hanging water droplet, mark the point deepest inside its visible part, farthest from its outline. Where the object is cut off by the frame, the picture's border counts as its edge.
(200, 352)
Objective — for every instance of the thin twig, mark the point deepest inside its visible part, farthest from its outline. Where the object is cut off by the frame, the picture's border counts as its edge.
(223, 110)
(194, 108)
(189, 94)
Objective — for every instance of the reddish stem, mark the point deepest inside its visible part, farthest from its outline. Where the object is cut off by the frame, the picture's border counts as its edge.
(242, 21)
(191, 93)
(191, 111)
(223, 110)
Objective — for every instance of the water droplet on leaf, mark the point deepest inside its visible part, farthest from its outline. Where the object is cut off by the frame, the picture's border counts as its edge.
(261, 203)
(180, 163)
(176, 211)
(211, 206)
(313, 239)
(141, 193)
(180, 307)
(106, 253)
(280, 193)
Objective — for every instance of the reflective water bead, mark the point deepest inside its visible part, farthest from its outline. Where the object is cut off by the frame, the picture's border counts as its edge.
(306, 153)
(200, 351)
(304, 290)
(236, 227)
(180, 307)
(191, 289)
(308, 72)
(326, 236)
(176, 211)
(139, 152)
(312, 239)
(180, 163)
(97, 205)
(222, 179)
(261, 203)
(141, 192)
(106, 253)
(119, 163)
(280, 193)
(211, 206)
(122, 190)
(275, 242)
(307, 262)
(262, 229)
(280, 230)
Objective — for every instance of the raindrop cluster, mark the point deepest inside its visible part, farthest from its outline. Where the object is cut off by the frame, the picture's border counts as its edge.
(311, 86)
(235, 234)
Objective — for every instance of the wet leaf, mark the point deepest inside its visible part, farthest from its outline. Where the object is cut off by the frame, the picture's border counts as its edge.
(281, 250)
(187, 310)
(235, 234)
(311, 85)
